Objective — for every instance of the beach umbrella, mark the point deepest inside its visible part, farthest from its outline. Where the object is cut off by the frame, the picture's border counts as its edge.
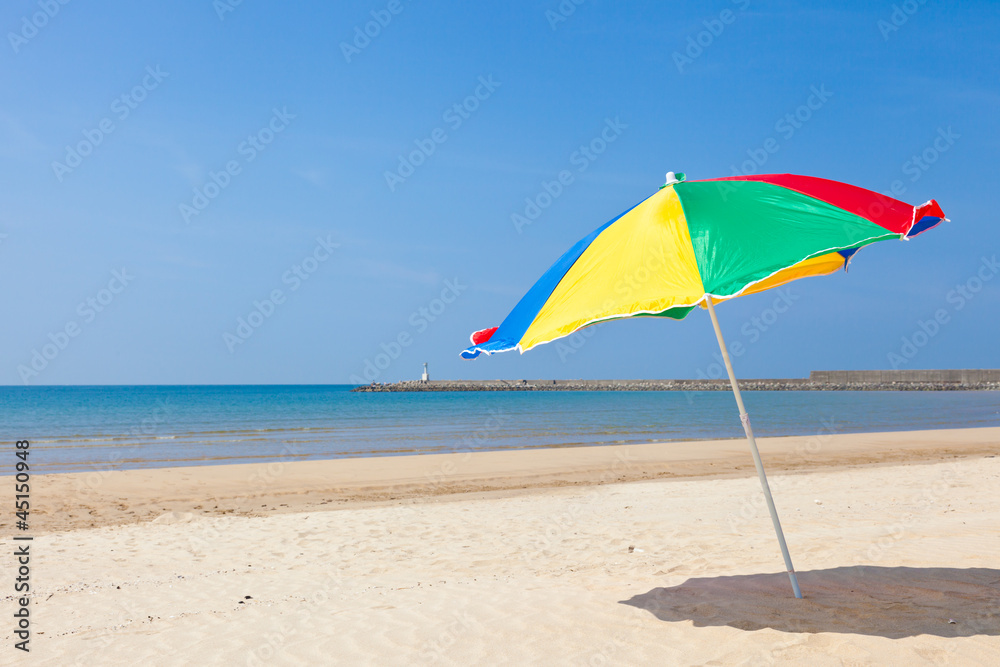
(698, 243)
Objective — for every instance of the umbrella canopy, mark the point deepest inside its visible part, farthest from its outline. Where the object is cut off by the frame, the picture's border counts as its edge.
(702, 242)
(718, 238)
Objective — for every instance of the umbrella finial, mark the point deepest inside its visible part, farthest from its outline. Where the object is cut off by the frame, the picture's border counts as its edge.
(674, 178)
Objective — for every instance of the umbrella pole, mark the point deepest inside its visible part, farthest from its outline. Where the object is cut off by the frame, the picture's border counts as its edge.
(745, 418)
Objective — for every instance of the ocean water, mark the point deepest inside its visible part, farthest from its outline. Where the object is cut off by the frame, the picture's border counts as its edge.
(97, 428)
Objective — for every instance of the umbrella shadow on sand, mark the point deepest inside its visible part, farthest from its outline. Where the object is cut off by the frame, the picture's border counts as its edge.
(891, 602)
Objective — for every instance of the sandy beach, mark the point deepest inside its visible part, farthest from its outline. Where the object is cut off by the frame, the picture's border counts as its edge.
(401, 333)
(642, 554)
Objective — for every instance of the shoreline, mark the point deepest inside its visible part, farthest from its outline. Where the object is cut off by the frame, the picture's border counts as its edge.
(69, 501)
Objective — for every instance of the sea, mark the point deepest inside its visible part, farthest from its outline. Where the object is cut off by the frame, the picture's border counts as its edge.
(81, 428)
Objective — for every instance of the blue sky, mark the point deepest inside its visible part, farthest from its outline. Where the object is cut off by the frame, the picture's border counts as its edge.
(171, 168)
